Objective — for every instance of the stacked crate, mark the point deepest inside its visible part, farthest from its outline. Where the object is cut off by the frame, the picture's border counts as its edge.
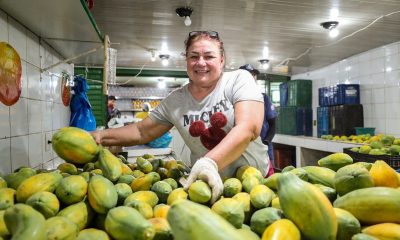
(339, 110)
(295, 112)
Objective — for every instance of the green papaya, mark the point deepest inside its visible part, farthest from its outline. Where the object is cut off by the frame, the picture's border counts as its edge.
(24, 222)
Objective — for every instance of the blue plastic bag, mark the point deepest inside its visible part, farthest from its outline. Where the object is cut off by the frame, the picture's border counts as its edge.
(81, 110)
(161, 142)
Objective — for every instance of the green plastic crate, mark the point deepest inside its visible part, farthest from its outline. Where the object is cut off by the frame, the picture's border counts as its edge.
(299, 93)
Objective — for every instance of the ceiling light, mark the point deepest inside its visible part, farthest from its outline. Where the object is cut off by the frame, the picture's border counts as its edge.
(266, 52)
(332, 27)
(161, 83)
(264, 63)
(164, 59)
(185, 12)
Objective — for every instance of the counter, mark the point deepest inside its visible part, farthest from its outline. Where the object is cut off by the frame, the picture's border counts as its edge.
(310, 149)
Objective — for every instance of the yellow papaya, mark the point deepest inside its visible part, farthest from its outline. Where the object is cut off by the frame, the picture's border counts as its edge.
(176, 195)
(352, 177)
(3, 228)
(24, 222)
(125, 221)
(232, 186)
(262, 218)
(44, 202)
(109, 164)
(199, 192)
(7, 196)
(348, 225)
(230, 209)
(144, 196)
(383, 175)
(261, 196)
(102, 194)
(335, 161)
(384, 231)
(75, 145)
(372, 205)
(37, 183)
(68, 168)
(72, 189)
(16, 178)
(92, 234)
(190, 220)
(282, 229)
(161, 210)
(162, 228)
(60, 228)
(123, 191)
(321, 175)
(79, 213)
(306, 205)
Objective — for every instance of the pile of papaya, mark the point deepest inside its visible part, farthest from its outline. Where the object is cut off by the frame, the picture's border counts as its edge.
(97, 195)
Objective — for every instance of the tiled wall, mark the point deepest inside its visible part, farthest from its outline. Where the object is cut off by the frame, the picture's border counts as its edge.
(378, 73)
(25, 126)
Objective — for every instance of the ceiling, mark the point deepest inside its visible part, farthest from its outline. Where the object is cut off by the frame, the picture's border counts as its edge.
(287, 27)
(135, 27)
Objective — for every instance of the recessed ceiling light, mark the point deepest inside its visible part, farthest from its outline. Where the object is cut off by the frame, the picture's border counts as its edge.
(332, 27)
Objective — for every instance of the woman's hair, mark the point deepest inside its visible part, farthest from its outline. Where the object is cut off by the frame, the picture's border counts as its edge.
(197, 35)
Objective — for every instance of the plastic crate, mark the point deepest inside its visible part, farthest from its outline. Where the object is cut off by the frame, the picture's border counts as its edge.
(344, 118)
(299, 93)
(295, 121)
(283, 94)
(348, 94)
(391, 160)
(365, 130)
(322, 121)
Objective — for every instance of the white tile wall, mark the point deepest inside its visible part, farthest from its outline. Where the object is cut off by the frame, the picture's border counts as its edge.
(3, 27)
(5, 159)
(4, 121)
(39, 113)
(19, 152)
(378, 73)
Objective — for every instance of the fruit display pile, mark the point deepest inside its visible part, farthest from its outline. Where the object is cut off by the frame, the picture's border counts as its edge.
(380, 145)
(97, 195)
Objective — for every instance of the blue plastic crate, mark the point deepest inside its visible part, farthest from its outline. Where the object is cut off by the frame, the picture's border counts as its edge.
(348, 94)
(283, 94)
(322, 121)
(322, 97)
(304, 121)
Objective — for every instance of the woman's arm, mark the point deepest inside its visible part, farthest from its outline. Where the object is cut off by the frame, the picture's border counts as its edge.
(249, 116)
(132, 134)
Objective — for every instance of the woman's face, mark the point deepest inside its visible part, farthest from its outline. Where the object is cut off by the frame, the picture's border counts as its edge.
(204, 62)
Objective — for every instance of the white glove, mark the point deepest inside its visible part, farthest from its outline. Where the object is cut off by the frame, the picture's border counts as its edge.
(206, 170)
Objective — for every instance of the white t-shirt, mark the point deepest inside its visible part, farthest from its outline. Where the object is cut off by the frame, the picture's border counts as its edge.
(180, 109)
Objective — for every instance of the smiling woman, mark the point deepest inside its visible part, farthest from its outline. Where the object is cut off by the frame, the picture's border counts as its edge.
(222, 108)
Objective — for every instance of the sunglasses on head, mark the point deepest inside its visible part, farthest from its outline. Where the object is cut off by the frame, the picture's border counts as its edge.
(212, 34)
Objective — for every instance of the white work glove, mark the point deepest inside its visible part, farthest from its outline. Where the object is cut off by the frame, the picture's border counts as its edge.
(206, 170)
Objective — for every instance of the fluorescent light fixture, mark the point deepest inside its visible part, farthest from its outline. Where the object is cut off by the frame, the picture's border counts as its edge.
(161, 83)
(334, 13)
(266, 52)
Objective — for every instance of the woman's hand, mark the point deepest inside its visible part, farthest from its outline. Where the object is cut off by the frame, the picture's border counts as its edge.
(97, 136)
(207, 170)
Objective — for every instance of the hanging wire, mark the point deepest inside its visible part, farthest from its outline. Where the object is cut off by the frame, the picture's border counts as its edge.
(287, 60)
(130, 80)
